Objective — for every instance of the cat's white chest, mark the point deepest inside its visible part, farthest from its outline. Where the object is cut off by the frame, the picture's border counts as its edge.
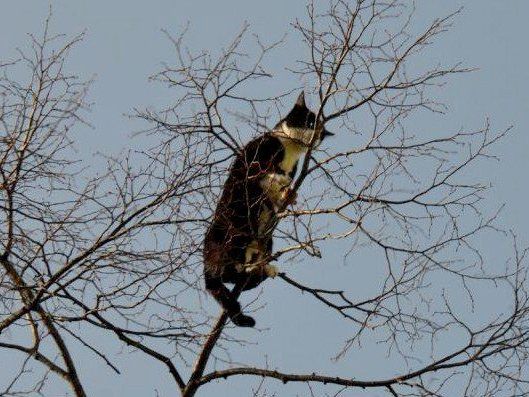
(293, 152)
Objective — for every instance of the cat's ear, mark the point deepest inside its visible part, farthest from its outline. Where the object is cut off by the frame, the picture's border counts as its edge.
(301, 100)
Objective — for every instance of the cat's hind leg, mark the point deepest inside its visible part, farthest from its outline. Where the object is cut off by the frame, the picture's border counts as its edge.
(228, 300)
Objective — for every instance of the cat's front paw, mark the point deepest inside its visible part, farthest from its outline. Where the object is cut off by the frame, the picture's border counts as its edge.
(289, 197)
(271, 271)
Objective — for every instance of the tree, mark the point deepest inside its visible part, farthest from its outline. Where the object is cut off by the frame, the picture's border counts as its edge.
(119, 250)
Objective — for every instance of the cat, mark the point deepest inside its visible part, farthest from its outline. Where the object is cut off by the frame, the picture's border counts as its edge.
(238, 242)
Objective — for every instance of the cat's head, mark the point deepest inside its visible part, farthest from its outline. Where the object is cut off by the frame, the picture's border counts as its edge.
(300, 125)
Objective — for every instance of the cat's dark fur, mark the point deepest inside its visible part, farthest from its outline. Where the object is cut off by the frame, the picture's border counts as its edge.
(238, 243)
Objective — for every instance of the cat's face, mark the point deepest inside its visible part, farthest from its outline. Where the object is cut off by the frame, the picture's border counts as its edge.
(301, 125)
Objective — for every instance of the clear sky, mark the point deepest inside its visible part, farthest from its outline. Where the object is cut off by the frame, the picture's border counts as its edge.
(124, 44)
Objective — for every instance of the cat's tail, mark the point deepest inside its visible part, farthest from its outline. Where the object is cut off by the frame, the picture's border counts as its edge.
(228, 300)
